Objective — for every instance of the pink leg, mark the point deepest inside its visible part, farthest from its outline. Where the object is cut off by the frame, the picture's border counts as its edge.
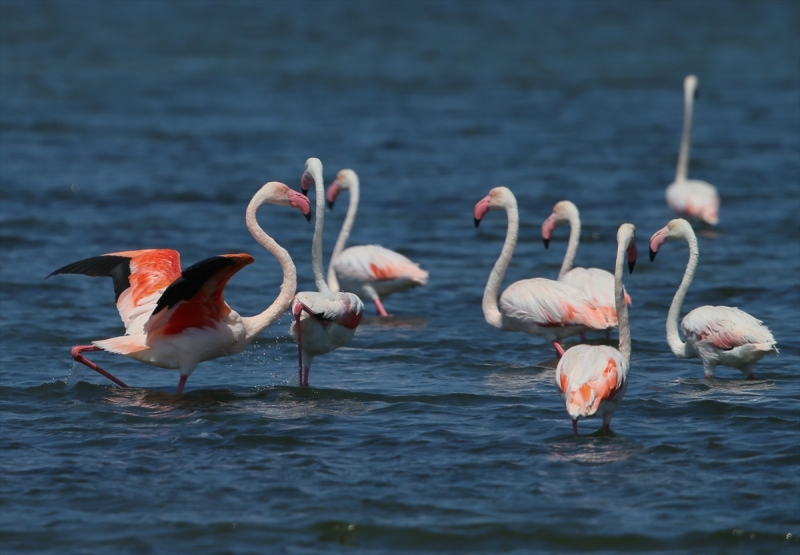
(297, 310)
(381, 311)
(76, 354)
(559, 348)
(305, 379)
(575, 428)
(181, 383)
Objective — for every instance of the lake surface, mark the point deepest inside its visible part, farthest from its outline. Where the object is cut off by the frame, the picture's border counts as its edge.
(151, 124)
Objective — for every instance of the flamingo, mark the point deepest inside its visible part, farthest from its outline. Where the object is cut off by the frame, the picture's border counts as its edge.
(597, 284)
(538, 306)
(592, 379)
(176, 319)
(370, 271)
(718, 335)
(690, 197)
(324, 320)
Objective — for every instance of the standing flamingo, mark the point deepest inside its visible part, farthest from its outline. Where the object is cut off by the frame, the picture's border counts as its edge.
(370, 271)
(718, 335)
(690, 197)
(177, 319)
(538, 306)
(597, 284)
(324, 320)
(593, 378)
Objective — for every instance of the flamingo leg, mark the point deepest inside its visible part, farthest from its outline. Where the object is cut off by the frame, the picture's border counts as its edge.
(181, 383)
(608, 334)
(78, 357)
(297, 310)
(607, 428)
(305, 378)
(751, 376)
(575, 428)
(559, 348)
(381, 311)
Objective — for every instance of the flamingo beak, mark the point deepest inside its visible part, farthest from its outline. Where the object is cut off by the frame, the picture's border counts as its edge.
(296, 200)
(659, 238)
(481, 209)
(632, 253)
(305, 182)
(333, 192)
(547, 229)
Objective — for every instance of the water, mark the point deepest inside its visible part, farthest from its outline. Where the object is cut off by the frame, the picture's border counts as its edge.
(147, 124)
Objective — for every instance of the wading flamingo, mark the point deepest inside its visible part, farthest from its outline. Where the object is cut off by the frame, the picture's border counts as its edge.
(597, 284)
(176, 319)
(370, 271)
(592, 379)
(538, 306)
(324, 320)
(718, 335)
(691, 198)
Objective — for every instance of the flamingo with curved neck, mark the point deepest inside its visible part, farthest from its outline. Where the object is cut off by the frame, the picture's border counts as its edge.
(593, 379)
(370, 271)
(718, 335)
(324, 320)
(538, 306)
(691, 198)
(597, 284)
(176, 319)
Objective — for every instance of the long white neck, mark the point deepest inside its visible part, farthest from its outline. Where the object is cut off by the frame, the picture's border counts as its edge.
(254, 325)
(344, 233)
(490, 293)
(572, 246)
(686, 139)
(316, 244)
(622, 306)
(677, 346)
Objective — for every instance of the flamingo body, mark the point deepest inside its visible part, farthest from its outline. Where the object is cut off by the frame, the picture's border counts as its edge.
(176, 319)
(593, 379)
(718, 335)
(370, 271)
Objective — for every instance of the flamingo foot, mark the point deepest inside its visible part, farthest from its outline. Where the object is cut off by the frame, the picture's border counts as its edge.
(181, 383)
(78, 357)
(559, 349)
(575, 428)
(381, 311)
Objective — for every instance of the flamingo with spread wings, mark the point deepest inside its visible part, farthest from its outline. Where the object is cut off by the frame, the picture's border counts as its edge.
(593, 379)
(538, 306)
(176, 319)
(691, 198)
(597, 284)
(324, 320)
(370, 271)
(718, 335)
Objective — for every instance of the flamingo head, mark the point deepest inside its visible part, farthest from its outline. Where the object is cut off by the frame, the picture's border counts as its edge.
(345, 181)
(281, 194)
(690, 87)
(563, 212)
(676, 229)
(626, 238)
(498, 198)
(312, 171)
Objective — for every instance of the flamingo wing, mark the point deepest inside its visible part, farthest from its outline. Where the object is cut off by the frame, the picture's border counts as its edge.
(596, 284)
(548, 303)
(694, 198)
(139, 277)
(588, 375)
(372, 263)
(726, 328)
(345, 309)
(194, 299)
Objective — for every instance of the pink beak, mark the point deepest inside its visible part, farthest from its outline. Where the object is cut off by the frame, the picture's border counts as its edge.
(481, 209)
(333, 192)
(658, 239)
(548, 226)
(301, 202)
(632, 253)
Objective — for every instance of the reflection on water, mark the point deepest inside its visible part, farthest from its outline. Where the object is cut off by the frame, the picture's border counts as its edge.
(395, 321)
(597, 448)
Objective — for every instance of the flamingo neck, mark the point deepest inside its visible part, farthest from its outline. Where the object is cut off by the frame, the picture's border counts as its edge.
(254, 325)
(686, 139)
(622, 306)
(344, 233)
(316, 244)
(572, 246)
(490, 293)
(678, 347)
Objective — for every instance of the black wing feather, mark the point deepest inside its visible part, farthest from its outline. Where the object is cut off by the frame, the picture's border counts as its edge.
(191, 280)
(116, 267)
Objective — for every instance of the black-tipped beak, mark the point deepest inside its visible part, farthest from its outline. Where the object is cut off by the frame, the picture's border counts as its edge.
(477, 222)
(308, 216)
(652, 255)
(697, 92)
(330, 204)
(546, 243)
(304, 191)
(631, 264)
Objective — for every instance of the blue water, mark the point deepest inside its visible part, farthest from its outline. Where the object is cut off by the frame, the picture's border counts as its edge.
(133, 125)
